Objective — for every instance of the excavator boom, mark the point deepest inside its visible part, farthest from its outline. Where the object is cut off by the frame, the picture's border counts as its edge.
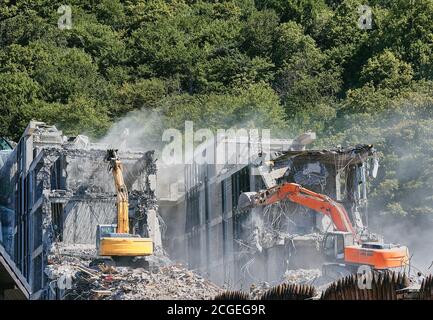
(121, 191)
(120, 243)
(379, 256)
(307, 198)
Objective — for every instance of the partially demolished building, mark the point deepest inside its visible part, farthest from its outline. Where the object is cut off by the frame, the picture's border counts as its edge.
(56, 190)
(239, 248)
(286, 235)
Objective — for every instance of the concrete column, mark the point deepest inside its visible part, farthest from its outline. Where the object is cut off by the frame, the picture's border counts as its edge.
(154, 229)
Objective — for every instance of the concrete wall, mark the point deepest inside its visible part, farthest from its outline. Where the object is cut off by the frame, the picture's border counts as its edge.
(60, 190)
(82, 217)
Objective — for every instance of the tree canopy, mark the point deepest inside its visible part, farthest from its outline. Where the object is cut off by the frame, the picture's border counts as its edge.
(292, 66)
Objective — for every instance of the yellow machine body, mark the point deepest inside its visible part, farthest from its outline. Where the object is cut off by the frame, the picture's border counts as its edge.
(125, 246)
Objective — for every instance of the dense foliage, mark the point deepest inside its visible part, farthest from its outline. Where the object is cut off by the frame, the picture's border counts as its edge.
(291, 65)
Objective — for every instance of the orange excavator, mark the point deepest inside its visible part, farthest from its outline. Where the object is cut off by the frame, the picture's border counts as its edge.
(343, 248)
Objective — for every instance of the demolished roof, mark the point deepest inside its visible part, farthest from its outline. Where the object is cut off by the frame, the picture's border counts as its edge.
(341, 157)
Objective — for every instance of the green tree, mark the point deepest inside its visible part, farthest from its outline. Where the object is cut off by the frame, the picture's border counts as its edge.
(385, 70)
(255, 106)
(408, 30)
(17, 91)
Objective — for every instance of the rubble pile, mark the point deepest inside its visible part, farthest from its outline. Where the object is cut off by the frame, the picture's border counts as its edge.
(105, 282)
(301, 276)
(258, 290)
(290, 277)
(124, 283)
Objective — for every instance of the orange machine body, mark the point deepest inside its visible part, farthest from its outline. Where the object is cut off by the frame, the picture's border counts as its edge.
(377, 258)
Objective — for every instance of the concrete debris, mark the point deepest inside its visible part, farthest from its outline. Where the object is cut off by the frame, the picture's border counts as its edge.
(61, 251)
(258, 290)
(302, 276)
(311, 174)
(172, 282)
(271, 226)
(307, 277)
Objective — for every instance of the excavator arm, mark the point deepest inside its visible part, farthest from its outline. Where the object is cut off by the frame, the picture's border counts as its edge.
(307, 198)
(380, 256)
(120, 244)
(115, 166)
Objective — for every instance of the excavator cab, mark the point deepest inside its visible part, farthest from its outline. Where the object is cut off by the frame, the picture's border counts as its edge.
(333, 249)
(334, 244)
(340, 248)
(102, 231)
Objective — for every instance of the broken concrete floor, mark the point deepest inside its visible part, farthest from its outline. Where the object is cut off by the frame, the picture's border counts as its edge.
(72, 278)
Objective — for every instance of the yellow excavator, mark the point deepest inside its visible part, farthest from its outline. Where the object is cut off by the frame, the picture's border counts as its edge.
(114, 240)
